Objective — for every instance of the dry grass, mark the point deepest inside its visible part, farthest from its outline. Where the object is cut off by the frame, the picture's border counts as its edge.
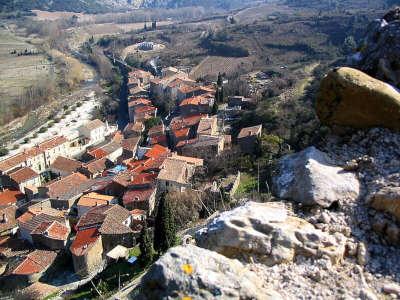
(19, 72)
(212, 65)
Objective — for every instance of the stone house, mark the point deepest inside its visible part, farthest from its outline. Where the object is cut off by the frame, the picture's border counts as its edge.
(31, 268)
(35, 217)
(87, 252)
(130, 146)
(95, 168)
(175, 175)
(143, 113)
(248, 137)
(51, 234)
(136, 103)
(113, 223)
(202, 104)
(21, 178)
(8, 222)
(64, 192)
(208, 126)
(205, 147)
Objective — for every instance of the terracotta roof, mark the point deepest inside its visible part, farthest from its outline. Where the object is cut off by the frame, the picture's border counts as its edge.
(197, 100)
(145, 109)
(190, 160)
(94, 124)
(158, 139)
(10, 197)
(23, 175)
(156, 151)
(139, 73)
(118, 136)
(35, 262)
(66, 164)
(250, 131)
(37, 221)
(94, 199)
(12, 161)
(183, 143)
(140, 195)
(136, 90)
(130, 143)
(69, 186)
(108, 218)
(180, 122)
(97, 166)
(52, 143)
(181, 133)
(9, 222)
(139, 101)
(84, 240)
(143, 178)
(98, 153)
(38, 290)
(54, 230)
(138, 212)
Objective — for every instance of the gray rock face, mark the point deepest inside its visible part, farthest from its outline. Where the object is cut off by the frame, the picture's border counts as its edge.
(266, 233)
(381, 48)
(189, 271)
(310, 177)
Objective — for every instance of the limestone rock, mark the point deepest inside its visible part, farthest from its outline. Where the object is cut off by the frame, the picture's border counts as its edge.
(388, 200)
(196, 273)
(380, 49)
(265, 232)
(349, 97)
(311, 178)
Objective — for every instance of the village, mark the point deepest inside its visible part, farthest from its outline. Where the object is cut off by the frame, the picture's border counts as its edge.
(89, 193)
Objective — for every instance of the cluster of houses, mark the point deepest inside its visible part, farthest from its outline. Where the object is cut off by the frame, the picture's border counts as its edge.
(92, 203)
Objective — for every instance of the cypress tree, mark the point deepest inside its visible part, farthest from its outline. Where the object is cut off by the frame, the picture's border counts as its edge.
(146, 246)
(164, 229)
(220, 89)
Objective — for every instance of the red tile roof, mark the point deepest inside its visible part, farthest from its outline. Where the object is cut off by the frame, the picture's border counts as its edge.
(156, 151)
(143, 178)
(66, 164)
(141, 195)
(197, 100)
(180, 122)
(52, 143)
(130, 143)
(181, 133)
(23, 175)
(98, 153)
(10, 197)
(145, 109)
(66, 186)
(54, 230)
(84, 240)
(35, 262)
(159, 139)
(139, 101)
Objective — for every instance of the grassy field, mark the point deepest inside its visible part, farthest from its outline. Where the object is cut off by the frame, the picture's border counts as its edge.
(19, 72)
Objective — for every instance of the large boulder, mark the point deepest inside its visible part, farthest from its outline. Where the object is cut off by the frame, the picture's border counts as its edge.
(349, 97)
(265, 232)
(387, 200)
(380, 49)
(310, 177)
(189, 272)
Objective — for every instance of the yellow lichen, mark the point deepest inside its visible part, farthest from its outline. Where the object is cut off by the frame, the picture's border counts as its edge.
(188, 269)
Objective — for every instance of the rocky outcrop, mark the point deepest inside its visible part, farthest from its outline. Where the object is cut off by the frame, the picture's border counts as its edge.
(349, 97)
(387, 200)
(189, 272)
(380, 50)
(310, 177)
(265, 232)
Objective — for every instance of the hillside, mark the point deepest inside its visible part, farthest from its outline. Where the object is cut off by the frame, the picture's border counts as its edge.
(102, 6)
(88, 6)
